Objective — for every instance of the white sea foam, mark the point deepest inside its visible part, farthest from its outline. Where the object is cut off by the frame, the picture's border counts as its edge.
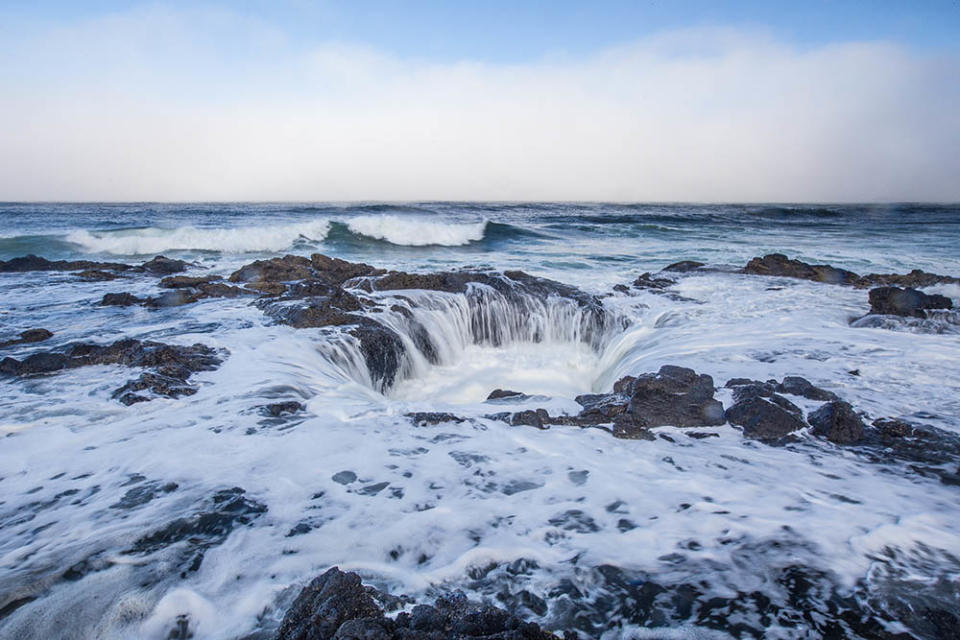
(233, 240)
(417, 231)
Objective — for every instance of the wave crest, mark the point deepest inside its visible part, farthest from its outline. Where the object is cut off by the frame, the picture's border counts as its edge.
(417, 232)
(239, 240)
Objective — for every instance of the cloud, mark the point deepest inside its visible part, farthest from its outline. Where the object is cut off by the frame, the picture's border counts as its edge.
(163, 105)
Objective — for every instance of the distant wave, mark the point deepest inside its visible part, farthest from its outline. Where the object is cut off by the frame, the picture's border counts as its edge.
(237, 240)
(416, 232)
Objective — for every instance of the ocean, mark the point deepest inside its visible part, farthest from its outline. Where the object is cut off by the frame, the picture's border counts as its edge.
(205, 513)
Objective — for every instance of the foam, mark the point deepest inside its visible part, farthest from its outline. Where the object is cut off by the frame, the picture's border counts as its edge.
(234, 240)
(417, 231)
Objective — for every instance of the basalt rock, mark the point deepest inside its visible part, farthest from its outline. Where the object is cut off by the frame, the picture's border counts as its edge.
(29, 336)
(648, 281)
(433, 418)
(279, 409)
(180, 282)
(777, 264)
(684, 266)
(283, 269)
(764, 418)
(498, 394)
(124, 299)
(905, 302)
(837, 422)
(795, 385)
(914, 279)
(336, 271)
(337, 605)
(171, 365)
(160, 265)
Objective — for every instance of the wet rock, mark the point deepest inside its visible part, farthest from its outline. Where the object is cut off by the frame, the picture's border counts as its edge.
(269, 289)
(914, 279)
(207, 527)
(336, 605)
(180, 282)
(382, 350)
(174, 298)
(162, 265)
(28, 337)
(795, 385)
(171, 365)
(498, 394)
(837, 422)
(283, 269)
(538, 418)
(97, 275)
(777, 264)
(278, 409)
(36, 263)
(683, 266)
(648, 281)
(336, 271)
(763, 419)
(905, 302)
(121, 300)
(344, 477)
(432, 418)
(674, 396)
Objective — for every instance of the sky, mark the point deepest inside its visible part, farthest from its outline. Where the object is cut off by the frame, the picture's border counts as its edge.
(817, 101)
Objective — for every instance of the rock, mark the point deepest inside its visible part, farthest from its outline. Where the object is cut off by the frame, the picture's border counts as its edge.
(284, 269)
(683, 266)
(336, 271)
(837, 422)
(764, 419)
(161, 385)
(498, 394)
(914, 279)
(674, 396)
(43, 362)
(180, 282)
(777, 264)
(647, 281)
(797, 386)
(337, 605)
(278, 409)
(28, 337)
(121, 300)
(431, 418)
(162, 265)
(36, 263)
(271, 289)
(905, 302)
(97, 275)
(539, 418)
(173, 298)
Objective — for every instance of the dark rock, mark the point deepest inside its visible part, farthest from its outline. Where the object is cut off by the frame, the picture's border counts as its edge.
(648, 281)
(284, 269)
(763, 419)
(497, 394)
(44, 362)
(97, 275)
(278, 409)
(29, 336)
(336, 605)
(161, 385)
(914, 279)
(382, 350)
(336, 271)
(269, 289)
(621, 288)
(174, 298)
(180, 282)
(674, 396)
(431, 418)
(162, 265)
(683, 266)
(777, 264)
(797, 386)
(344, 477)
(837, 422)
(121, 300)
(539, 418)
(36, 263)
(905, 302)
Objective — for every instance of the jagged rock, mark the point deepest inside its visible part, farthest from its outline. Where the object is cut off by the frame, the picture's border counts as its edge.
(905, 302)
(29, 336)
(97, 275)
(683, 266)
(180, 282)
(914, 279)
(532, 418)
(36, 263)
(121, 300)
(777, 264)
(162, 265)
(337, 605)
(336, 271)
(283, 269)
(173, 298)
(795, 385)
(278, 409)
(837, 422)
(432, 418)
(171, 365)
(764, 419)
(648, 281)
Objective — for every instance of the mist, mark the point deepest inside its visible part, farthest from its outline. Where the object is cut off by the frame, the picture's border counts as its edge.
(176, 106)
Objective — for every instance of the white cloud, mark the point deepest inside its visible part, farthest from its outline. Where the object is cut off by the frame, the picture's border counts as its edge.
(120, 111)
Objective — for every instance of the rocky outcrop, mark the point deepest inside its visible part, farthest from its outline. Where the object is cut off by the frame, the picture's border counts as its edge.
(837, 422)
(337, 605)
(649, 281)
(777, 264)
(905, 302)
(28, 337)
(684, 266)
(170, 365)
(160, 265)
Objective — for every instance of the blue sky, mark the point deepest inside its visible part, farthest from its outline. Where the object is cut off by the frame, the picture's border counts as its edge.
(628, 101)
(504, 31)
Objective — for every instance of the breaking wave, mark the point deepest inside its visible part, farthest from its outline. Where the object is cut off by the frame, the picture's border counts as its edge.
(153, 240)
(417, 232)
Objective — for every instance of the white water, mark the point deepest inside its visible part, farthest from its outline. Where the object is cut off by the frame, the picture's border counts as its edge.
(472, 493)
(417, 232)
(228, 240)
